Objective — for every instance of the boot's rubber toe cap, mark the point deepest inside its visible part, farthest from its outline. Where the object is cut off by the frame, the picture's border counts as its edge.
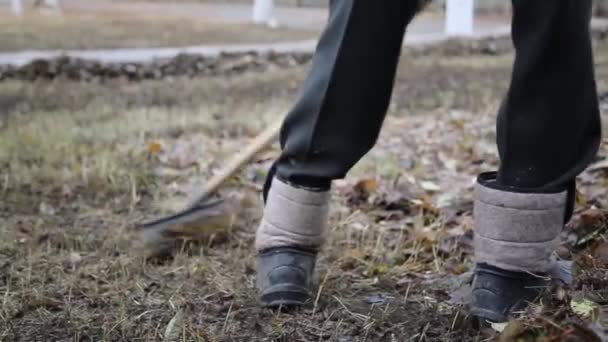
(285, 276)
(497, 294)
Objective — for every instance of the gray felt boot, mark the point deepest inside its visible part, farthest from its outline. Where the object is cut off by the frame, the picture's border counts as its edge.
(287, 240)
(516, 235)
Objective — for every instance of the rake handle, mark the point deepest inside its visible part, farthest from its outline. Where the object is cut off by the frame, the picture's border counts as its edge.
(261, 141)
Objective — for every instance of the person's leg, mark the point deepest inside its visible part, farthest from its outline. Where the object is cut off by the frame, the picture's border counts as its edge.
(335, 122)
(548, 131)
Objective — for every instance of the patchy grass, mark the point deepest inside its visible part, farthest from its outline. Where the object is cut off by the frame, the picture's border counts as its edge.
(82, 30)
(81, 163)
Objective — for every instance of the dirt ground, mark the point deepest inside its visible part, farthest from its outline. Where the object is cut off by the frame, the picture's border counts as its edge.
(81, 163)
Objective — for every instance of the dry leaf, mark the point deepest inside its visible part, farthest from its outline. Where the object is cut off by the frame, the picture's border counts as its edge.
(600, 252)
(366, 186)
(600, 323)
(426, 234)
(429, 186)
(24, 231)
(512, 332)
(355, 253)
(455, 267)
(46, 209)
(499, 327)
(579, 198)
(579, 333)
(172, 331)
(154, 147)
(591, 216)
(582, 306)
(74, 258)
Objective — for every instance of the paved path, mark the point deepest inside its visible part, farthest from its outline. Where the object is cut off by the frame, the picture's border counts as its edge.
(425, 29)
(150, 54)
(304, 18)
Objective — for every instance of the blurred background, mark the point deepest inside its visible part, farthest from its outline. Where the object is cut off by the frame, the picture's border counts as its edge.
(113, 112)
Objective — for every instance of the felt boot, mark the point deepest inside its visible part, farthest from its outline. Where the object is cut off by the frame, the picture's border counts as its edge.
(516, 235)
(290, 234)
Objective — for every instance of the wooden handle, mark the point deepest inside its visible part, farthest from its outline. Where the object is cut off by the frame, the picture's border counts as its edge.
(256, 145)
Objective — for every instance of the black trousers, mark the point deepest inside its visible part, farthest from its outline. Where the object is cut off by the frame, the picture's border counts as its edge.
(548, 127)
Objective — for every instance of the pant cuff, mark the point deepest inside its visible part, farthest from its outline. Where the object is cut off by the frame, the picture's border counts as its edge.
(517, 231)
(293, 217)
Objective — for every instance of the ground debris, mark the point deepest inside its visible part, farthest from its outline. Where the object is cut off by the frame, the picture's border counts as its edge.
(397, 251)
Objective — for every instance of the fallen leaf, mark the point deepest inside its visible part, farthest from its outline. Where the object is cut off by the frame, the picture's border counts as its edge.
(499, 327)
(429, 186)
(74, 258)
(154, 147)
(579, 198)
(583, 306)
(24, 231)
(455, 267)
(579, 333)
(375, 270)
(172, 331)
(426, 234)
(354, 253)
(600, 252)
(600, 323)
(591, 216)
(512, 332)
(366, 186)
(444, 200)
(46, 209)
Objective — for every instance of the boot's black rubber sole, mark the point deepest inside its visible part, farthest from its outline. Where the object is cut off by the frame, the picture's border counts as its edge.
(275, 298)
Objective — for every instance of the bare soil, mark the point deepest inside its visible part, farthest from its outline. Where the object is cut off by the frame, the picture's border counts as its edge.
(81, 163)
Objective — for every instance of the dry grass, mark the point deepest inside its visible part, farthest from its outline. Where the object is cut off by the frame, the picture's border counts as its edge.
(90, 30)
(76, 172)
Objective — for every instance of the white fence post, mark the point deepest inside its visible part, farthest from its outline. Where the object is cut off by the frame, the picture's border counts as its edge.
(459, 17)
(263, 11)
(17, 7)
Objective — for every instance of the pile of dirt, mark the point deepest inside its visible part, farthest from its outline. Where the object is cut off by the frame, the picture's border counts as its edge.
(194, 65)
(182, 65)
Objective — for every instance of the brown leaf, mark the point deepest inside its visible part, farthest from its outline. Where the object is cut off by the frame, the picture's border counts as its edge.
(600, 252)
(455, 267)
(579, 333)
(366, 186)
(591, 216)
(512, 332)
(154, 147)
(426, 234)
(24, 231)
(579, 198)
